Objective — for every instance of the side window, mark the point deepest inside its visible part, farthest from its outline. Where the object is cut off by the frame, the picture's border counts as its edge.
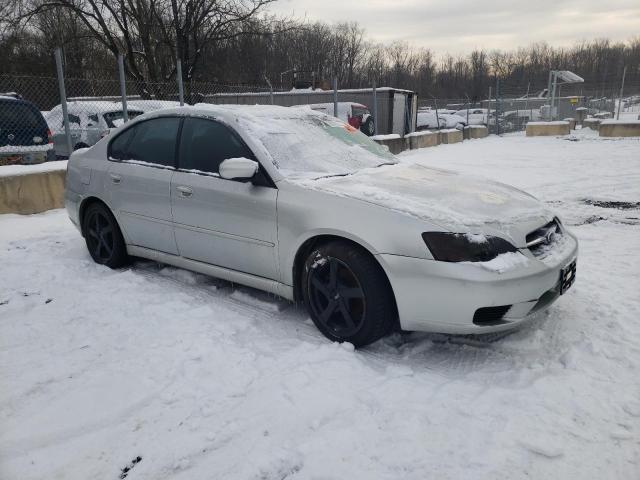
(155, 141)
(74, 118)
(206, 143)
(118, 146)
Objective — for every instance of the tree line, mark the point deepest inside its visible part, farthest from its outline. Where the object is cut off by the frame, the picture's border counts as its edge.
(236, 42)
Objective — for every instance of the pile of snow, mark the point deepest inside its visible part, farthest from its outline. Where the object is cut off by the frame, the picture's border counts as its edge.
(12, 170)
(556, 122)
(389, 136)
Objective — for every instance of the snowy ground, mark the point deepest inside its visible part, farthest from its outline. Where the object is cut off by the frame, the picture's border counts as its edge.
(202, 380)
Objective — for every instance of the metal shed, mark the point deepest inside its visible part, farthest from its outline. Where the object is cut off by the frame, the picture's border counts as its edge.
(397, 108)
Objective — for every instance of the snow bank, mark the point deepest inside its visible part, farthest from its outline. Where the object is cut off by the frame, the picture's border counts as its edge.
(557, 122)
(390, 136)
(11, 170)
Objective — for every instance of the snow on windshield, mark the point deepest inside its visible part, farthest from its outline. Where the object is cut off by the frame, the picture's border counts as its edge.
(316, 145)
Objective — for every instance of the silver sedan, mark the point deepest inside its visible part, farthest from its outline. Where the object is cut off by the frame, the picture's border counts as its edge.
(297, 203)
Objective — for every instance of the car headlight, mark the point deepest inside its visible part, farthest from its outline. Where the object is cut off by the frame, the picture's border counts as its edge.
(460, 247)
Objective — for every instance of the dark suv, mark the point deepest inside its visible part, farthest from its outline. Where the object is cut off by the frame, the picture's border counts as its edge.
(25, 137)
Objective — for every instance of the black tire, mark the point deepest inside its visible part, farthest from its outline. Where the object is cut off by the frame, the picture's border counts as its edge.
(347, 294)
(103, 237)
(368, 127)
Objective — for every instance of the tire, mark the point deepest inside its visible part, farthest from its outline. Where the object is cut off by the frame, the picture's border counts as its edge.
(103, 237)
(347, 294)
(368, 127)
(80, 145)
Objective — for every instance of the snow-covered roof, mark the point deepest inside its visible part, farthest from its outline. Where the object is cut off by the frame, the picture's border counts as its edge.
(311, 92)
(90, 107)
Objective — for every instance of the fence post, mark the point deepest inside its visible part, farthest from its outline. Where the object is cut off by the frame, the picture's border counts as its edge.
(335, 96)
(553, 94)
(375, 109)
(489, 112)
(180, 87)
(123, 88)
(63, 100)
(624, 74)
(497, 106)
(468, 105)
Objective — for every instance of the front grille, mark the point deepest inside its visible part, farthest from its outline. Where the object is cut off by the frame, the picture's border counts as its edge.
(539, 240)
(487, 316)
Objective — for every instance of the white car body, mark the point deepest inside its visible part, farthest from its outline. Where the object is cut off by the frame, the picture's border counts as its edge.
(253, 234)
(428, 119)
(475, 116)
(87, 122)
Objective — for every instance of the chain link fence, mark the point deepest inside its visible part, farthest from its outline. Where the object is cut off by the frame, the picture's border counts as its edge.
(33, 124)
(34, 127)
(509, 107)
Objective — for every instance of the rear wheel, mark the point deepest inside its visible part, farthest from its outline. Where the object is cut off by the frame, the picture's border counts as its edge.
(368, 127)
(347, 294)
(103, 237)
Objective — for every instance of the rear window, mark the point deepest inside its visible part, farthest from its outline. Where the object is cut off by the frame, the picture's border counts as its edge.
(15, 114)
(115, 119)
(357, 111)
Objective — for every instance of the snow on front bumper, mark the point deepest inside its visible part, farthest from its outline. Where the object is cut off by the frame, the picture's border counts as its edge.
(443, 297)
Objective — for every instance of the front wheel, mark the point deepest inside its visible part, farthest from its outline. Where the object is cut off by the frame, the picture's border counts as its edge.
(103, 237)
(347, 294)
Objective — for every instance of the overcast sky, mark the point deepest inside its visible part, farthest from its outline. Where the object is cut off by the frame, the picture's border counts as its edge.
(458, 26)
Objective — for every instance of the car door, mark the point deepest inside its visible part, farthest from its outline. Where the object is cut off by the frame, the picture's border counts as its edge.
(141, 164)
(227, 223)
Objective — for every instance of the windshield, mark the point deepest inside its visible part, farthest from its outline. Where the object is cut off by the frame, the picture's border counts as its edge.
(316, 145)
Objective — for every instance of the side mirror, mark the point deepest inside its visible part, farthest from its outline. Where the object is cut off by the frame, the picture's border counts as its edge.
(238, 168)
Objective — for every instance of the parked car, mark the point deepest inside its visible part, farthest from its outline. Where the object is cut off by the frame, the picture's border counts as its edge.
(299, 204)
(24, 135)
(428, 119)
(355, 114)
(89, 121)
(474, 116)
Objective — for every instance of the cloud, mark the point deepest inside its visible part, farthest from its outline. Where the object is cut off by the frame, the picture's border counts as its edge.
(457, 26)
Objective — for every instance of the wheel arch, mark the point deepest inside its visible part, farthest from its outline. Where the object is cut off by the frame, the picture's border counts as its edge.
(307, 246)
(86, 202)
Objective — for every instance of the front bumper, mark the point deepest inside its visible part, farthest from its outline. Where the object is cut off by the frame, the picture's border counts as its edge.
(443, 297)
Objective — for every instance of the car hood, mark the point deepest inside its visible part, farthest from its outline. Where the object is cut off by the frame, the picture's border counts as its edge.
(453, 201)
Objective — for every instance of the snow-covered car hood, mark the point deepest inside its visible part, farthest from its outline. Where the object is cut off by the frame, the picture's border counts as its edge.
(456, 202)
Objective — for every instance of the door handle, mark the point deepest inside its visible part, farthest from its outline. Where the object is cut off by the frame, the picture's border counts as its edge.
(185, 191)
(115, 178)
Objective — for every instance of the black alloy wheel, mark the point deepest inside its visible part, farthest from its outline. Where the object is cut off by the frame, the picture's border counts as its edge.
(336, 297)
(347, 294)
(103, 237)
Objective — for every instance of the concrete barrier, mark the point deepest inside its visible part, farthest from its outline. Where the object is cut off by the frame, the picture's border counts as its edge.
(423, 139)
(619, 128)
(543, 129)
(581, 114)
(572, 123)
(32, 192)
(451, 136)
(592, 123)
(475, 131)
(395, 142)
